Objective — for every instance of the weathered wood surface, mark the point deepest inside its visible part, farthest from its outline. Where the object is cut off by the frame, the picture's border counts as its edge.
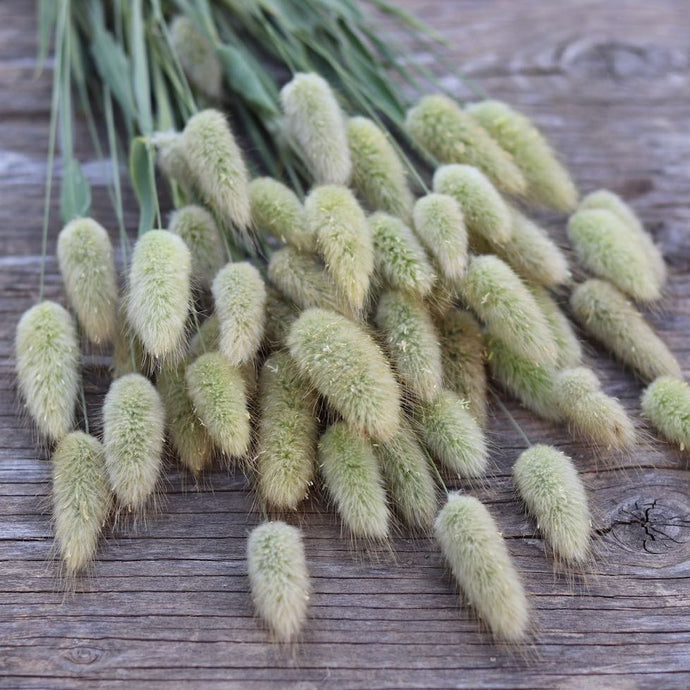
(609, 82)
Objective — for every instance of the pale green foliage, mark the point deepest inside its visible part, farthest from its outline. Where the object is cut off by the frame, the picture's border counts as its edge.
(399, 258)
(548, 182)
(378, 175)
(439, 224)
(87, 266)
(551, 488)
(603, 246)
(343, 239)
(218, 392)
(133, 433)
(159, 294)
(280, 315)
(504, 303)
(278, 577)
(277, 210)
(288, 434)
(239, 295)
(81, 498)
(411, 339)
(315, 123)
(612, 319)
(196, 226)
(347, 367)
(480, 562)
(441, 128)
(666, 403)
(452, 435)
(47, 365)
(351, 474)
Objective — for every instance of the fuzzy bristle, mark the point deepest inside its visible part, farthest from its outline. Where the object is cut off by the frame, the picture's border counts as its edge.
(666, 403)
(280, 315)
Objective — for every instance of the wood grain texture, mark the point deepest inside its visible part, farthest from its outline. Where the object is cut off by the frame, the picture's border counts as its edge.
(168, 602)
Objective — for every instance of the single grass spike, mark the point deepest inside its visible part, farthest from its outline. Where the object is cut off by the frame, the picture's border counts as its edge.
(81, 499)
(666, 403)
(47, 365)
(87, 266)
(278, 578)
(481, 564)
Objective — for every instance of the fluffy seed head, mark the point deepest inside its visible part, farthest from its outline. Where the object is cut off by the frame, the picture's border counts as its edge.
(411, 339)
(351, 474)
(216, 165)
(81, 498)
(171, 159)
(610, 317)
(47, 365)
(440, 226)
(133, 433)
(548, 182)
(603, 246)
(280, 315)
(666, 403)
(87, 266)
(440, 127)
(218, 392)
(452, 435)
(347, 367)
(278, 577)
(343, 239)
(288, 434)
(474, 548)
(205, 339)
(159, 292)
(551, 488)
(314, 121)
(239, 295)
(378, 174)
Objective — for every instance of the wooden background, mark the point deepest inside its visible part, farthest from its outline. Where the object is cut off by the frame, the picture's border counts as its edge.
(609, 81)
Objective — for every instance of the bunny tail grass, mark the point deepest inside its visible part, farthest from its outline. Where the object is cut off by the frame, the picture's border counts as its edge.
(288, 434)
(159, 294)
(280, 315)
(87, 266)
(378, 175)
(442, 129)
(666, 403)
(548, 182)
(550, 486)
(347, 367)
(278, 578)
(480, 562)
(315, 123)
(47, 365)
(218, 392)
(81, 499)
(452, 435)
(607, 315)
(351, 474)
(133, 433)
(239, 294)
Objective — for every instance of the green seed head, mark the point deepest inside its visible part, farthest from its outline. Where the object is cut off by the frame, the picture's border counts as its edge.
(474, 548)
(218, 392)
(278, 578)
(351, 474)
(171, 159)
(280, 315)
(378, 175)
(159, 294)
(206, 339)
(133, 433)
(288, 434)
(609, 316)
(548, 182)
(440, 226)
(47, 365)
(439, 127)
(315, 123)
(81, 498)
(550, 486)
(666, 403)
(347, 367)
(87, 266)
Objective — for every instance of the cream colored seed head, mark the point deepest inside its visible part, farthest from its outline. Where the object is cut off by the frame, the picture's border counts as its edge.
(666, 403)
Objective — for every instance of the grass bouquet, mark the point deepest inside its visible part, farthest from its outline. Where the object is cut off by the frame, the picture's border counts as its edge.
(347, 275)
